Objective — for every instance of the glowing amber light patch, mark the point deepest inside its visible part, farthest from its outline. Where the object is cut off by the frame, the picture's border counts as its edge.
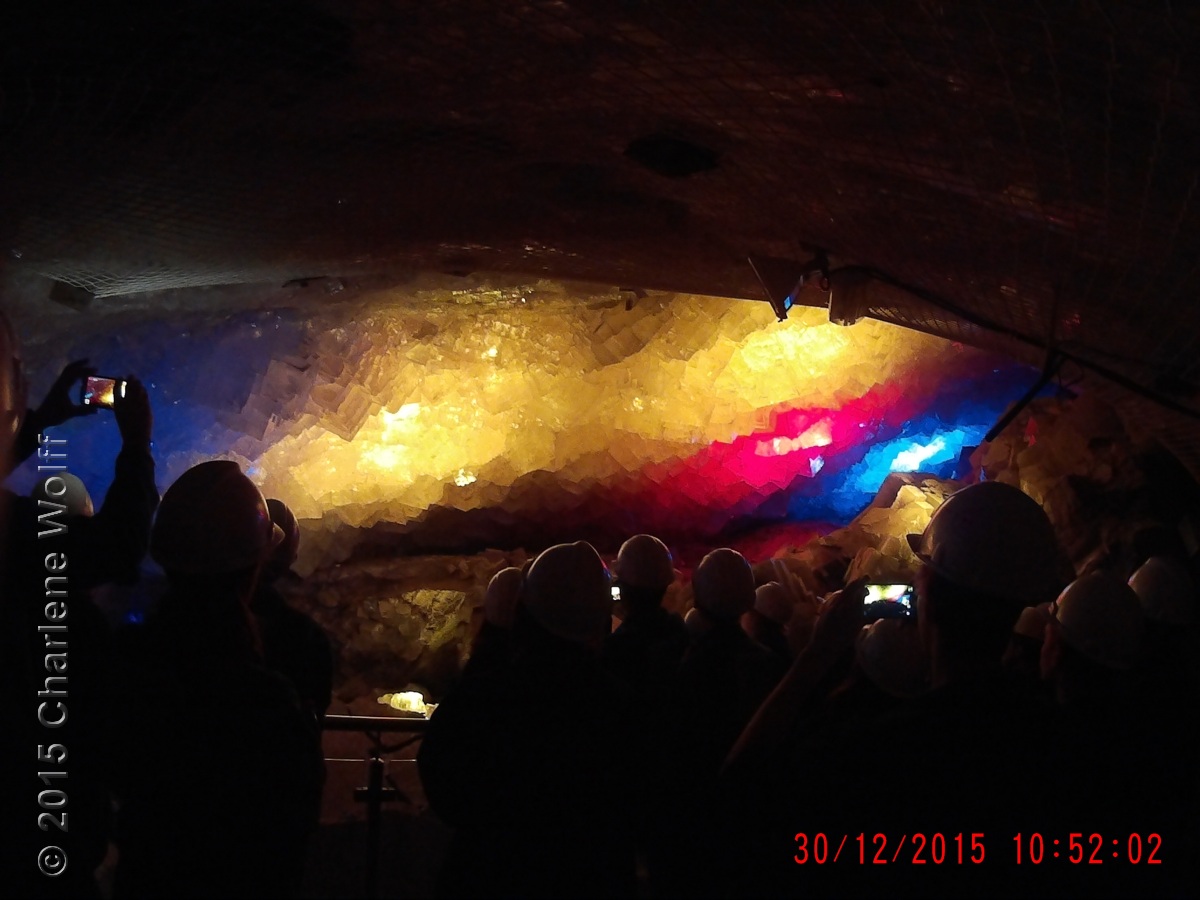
(436, 407)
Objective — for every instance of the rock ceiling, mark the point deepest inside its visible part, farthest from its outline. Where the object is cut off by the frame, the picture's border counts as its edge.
(1015, 175)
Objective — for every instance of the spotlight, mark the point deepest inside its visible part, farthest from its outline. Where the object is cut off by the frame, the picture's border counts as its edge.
(782, 279)
(849, 297)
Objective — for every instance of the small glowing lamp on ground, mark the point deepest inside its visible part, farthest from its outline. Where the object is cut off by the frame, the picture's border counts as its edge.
(411, 703)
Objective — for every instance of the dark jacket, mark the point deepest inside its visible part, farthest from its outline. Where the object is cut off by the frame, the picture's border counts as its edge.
(221, 768)
(296, 647)
(79, 554)
(530, 764)
(645, 652)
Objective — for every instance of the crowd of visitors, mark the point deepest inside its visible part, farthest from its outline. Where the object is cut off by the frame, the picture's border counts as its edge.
(1026, 732)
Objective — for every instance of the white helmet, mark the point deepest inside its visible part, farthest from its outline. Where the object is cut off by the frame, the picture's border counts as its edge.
(1165, 590)
(644, 562)
(890, 654)
(697, 623)
(568, 592)
(724, 584)
(993, 539)
(771, 601)
(67, 490)
(12, 387)
(213, 520)
(500, 600)
(1099, 616)
(1032, 622)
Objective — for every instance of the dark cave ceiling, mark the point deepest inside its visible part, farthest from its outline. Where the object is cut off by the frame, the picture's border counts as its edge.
(1017, 175)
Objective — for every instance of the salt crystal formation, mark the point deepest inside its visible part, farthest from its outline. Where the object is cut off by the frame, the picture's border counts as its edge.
(399, 622)
(440, 419)
(1074, 456)
(1086, 469)
(512, 417)
(531, 419)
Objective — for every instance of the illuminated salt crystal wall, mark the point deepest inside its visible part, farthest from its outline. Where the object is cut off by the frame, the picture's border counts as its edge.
(460, 419)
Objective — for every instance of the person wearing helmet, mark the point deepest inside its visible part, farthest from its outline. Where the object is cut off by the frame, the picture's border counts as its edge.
(1022, 656)
(645, 649)
(66, 489)
(532, 766)
(1168, 599)
(12, 392)
(292, 643)
(722, 680)
(491, 644)
(1094, 645)
(768, 618)
(221, 767)
(988, 551)
(1166, 592)
(107, 547)
(697, 625)
(726, 674)
(1092, 641)
(889, 669)
(55, 553)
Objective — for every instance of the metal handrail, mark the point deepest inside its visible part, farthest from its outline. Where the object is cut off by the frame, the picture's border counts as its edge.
(376, 723)
(374, 794)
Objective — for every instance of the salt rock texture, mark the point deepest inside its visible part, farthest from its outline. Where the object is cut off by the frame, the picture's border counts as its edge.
(403, 622)
(479, 416)
(1097, 479)
(428, 418)
(397, 623)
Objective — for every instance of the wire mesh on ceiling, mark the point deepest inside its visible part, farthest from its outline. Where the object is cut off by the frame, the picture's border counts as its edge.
(1032, 165)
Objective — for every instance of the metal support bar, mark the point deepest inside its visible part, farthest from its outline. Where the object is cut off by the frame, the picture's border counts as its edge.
(1053, 363)
(375, 794)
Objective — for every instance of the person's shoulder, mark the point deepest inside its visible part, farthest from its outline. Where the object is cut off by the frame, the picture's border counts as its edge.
(271, 607)
(670, 625)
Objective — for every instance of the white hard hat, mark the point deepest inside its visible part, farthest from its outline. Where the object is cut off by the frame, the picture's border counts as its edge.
(890, 654)
(724, 584)
(772, 601)
(568, 592)
(1098, 615)
(1032, 621)
(213, 520)
(12, 388)
(993, 539)
(644, 562)
(1165, 590)
(66, 489)
(500, 600)
(697, 623)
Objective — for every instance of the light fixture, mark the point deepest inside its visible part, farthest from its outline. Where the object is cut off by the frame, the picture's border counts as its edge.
(849, 296)
(783, 279)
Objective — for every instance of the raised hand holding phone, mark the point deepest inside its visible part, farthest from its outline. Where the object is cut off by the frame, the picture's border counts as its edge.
(59, 406)
(840, 620)
(131, 407)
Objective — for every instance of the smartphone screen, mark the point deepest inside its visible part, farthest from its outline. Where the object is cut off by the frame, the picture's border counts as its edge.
(101, 392)
(889, 601)
(616, 593)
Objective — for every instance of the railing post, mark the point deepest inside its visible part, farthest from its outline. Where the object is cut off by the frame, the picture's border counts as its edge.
(375, 794)
(374, 824)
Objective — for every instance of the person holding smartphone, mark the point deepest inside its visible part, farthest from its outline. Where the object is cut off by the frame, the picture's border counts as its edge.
(48, 538)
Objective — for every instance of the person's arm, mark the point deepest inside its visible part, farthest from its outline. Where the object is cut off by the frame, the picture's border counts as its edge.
(837, 627)
(113, 542)
(57, 408)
